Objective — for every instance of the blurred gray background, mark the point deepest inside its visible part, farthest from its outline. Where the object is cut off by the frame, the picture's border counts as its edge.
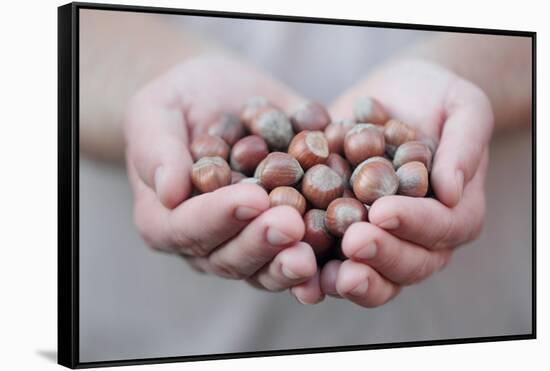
(137, 303)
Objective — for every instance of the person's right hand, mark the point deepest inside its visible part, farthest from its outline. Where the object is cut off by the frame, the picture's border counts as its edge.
(230, 232)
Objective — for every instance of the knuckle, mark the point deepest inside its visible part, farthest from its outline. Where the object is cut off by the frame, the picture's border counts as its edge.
(226, 269)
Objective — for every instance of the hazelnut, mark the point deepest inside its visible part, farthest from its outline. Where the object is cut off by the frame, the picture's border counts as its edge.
(374, 180)
(343, 212)
(396, 133)
(247, 153)
(335, 133)
(310, 116)
(278, 169)
(316, 233)
(274, 126)
(209, 146)
(367, 109)
(413, 179)
(309, 148)
(321, 185)
(251, 108)
(348, 193)
(210, 173)
(236, 177)
(229, 127)
(252, 180)
(413, 151)
(288, 196)
(340, 165)
(368, 161)
(363, 141)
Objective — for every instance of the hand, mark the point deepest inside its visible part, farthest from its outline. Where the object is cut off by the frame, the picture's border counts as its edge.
(407, 238)
(231, 232)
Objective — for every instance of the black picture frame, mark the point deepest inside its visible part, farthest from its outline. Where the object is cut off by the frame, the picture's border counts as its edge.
(68, 183)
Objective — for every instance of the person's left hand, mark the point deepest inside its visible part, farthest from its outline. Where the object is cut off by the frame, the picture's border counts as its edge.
(408, 239)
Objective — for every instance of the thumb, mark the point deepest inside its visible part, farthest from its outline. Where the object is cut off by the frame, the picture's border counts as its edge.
(157, 143)
(466, 133)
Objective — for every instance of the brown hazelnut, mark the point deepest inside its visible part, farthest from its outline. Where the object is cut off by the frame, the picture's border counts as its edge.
(288, 196)
(309, 148)
(368, 161)
(396, 133)
(210, 173)
(274, 126)
(310, 116)
(228, 127)
(209, 146)
(413, 179)
(316, 233)
(367, 109)
(252, 180)
(335, 133)
(362, 142)
(321, 185)
(343, 212)
(251, 108)
(413, 151)
(236, 177)
(247, 153)
(341, 166)
(278, 169)
(374, 180)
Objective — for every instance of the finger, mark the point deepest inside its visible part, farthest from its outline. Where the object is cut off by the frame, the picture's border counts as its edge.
(271, 232)
(201, 223)
(466, 133)
(399, 261)
(362, 285)
(427, 222)
(309, 292)
(292, 266)
(329, 273)
(157, 146)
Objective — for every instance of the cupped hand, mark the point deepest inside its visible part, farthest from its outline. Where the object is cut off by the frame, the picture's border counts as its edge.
(230, 232)
(408, 239)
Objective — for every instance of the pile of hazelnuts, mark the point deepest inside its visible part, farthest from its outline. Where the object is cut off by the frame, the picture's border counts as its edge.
(330, 172)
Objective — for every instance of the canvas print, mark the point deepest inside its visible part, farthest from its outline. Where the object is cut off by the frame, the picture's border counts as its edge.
(258, 185)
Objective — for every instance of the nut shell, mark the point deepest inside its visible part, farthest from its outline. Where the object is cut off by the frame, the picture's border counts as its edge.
(362, 142)
(335, 133)
(321, 185)
(309, 148)
(251, 108)
(367, 109)
(210, 173)
(316, 233)
(368, 161)
(229, 127)
(278, 169)
(374, 180)
(209, 146)
(274, 126)
(396, 133)
(343, 212)
(288, 196)
(413, 179)
(310, 116)
(341, 166)
(413, 151)
(247, 153)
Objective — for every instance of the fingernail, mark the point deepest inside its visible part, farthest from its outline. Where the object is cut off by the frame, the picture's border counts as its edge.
(367, 252)
(289, 273)
(275, 237)
(391, 223)
(159, 179)
(297, 298)
(459, 183)
(244, 213)
(360, 289)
